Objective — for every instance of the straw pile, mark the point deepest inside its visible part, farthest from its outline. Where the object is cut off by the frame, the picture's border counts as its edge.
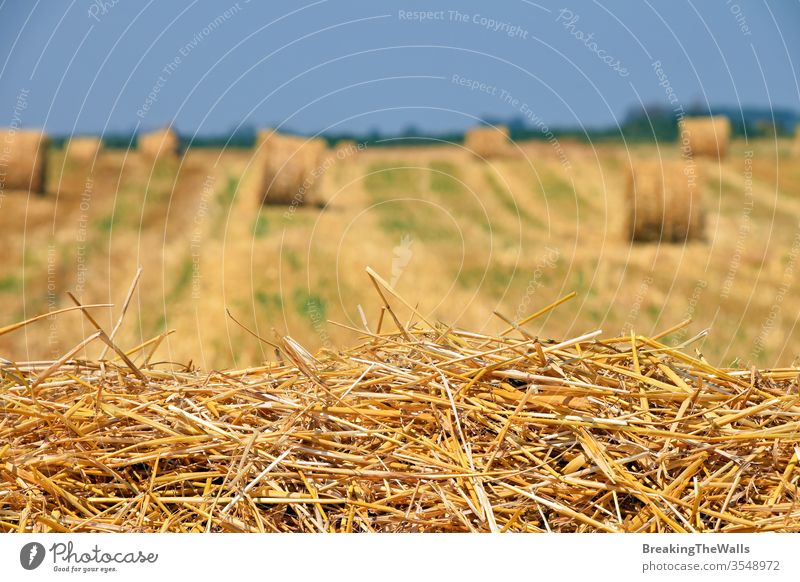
(488, 142)
(292, 166)
(162, 144)
(23, 160)
(84, 150)
(420, 428)
(705, 136)
(664, 202)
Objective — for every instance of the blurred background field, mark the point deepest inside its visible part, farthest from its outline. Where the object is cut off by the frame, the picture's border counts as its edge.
(458, 235)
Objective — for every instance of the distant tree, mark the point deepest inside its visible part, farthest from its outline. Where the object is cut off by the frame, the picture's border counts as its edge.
(652, 122)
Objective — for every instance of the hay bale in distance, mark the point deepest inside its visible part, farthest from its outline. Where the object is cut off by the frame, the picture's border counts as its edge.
(665, 202)
(161, 144)
(488, 142)
(84, 150)
(23, 160)
(292, 168)
(705, 136)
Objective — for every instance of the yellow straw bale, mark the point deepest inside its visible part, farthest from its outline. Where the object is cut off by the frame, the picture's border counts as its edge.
(488, 142)
(23, 160)
(160, 144)
(292, 166)
(665, 202)
(84, 150)
(705, 136)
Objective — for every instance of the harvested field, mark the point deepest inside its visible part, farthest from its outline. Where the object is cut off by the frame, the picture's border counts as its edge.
(81, 160)
(465, 238)
(421, 427)
(797, 141)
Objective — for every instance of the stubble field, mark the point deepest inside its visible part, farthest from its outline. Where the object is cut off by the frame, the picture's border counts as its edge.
(457, 236)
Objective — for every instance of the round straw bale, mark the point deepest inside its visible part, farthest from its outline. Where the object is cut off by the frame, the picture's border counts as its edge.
(292, 168)
(23, 160)
(488, 142)
(262, 135)
(160, 144)
(665, 202)
(84, 150)
(705, 136)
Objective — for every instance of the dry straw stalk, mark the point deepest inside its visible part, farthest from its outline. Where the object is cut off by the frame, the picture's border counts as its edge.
(424, 428)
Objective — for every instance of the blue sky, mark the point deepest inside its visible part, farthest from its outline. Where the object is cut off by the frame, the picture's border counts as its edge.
(105, 66)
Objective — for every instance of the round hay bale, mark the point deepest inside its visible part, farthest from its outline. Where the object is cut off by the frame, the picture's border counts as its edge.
(293, 168)
(488, 142)
(665, 202)
(161, 144)
(84, 150)
(705, 136)
(262, 135)
(23, 160)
